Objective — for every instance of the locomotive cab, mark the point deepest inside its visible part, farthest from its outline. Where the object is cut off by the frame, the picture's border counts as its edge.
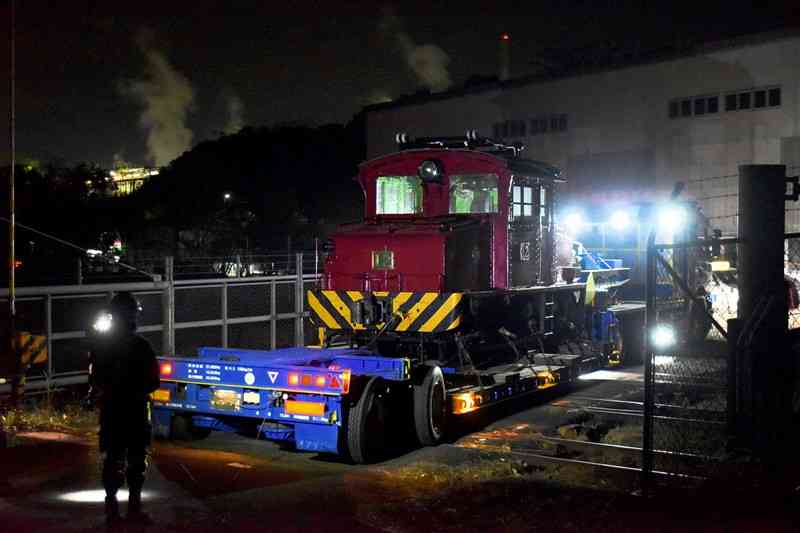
(457, 241)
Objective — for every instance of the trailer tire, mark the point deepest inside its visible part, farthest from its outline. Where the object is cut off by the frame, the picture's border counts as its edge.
(182, 428)
(366, 423)
(430, 407)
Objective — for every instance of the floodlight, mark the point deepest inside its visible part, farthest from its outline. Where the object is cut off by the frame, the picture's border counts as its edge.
(663, 337)
(620, 220)
(672, 218)
(574, 220)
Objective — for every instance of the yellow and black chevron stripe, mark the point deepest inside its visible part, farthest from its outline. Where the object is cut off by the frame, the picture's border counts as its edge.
(423, 312)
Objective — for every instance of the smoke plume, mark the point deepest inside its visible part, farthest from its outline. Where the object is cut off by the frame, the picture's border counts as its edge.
(235, 115)
(428, 62)
(166, 96)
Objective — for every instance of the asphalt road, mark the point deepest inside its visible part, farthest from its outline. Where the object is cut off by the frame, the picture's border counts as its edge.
(229, 481)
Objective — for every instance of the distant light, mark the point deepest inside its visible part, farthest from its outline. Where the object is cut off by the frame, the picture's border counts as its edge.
(227, 196)
(93, 253)
(3, 381)
(103, 323)
(663, 337)
(505, 37)
(620, 220)
(99, 496)
(672, 218)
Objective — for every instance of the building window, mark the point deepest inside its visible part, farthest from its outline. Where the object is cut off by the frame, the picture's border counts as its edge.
(398, 195)
(760, 99)
(521, 201)
(744, 100)
(712, 105)
(686, 108)
(730, 102)
(673, 109)
(562, 123)
(700, 106)
(775, 97)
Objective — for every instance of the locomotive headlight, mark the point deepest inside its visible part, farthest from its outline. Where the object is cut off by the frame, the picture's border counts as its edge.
(430, 171)
(103, 323)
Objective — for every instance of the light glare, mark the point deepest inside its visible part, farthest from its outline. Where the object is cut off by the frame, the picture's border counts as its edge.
(663, 337)
(98, 496)
(672, 218)
(574, 221)
(620, 220)
(103, 323)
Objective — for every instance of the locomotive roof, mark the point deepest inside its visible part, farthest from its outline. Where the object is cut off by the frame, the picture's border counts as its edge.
(509, 154)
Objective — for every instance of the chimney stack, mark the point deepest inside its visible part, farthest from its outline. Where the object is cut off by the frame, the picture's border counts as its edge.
(505, 57)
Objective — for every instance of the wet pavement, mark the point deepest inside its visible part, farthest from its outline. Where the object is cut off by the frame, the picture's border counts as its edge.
(51, 481)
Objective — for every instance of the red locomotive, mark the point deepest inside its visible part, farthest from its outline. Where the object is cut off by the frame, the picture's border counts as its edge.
(455, 260)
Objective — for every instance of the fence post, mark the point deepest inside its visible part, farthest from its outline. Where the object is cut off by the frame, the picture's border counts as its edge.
(224, 305)
(732, 409)
(168, 308)
(767, 366)
(299, 339)
(649, 374)
(48, 331)
(273, 314)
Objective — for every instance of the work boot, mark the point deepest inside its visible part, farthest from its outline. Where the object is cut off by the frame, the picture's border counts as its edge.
(135, 513)
(112, 511)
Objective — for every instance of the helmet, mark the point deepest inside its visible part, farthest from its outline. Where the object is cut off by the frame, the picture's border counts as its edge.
(125, 307)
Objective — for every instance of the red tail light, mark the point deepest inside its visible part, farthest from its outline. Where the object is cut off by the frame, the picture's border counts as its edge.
(166, 369)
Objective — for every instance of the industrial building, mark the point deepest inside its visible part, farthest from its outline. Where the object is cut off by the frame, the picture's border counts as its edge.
(629, 133)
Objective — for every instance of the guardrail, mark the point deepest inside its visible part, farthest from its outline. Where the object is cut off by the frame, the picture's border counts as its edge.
(178, 316)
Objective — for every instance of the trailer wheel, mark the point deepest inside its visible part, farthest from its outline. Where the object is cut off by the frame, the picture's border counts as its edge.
(366, 424)
(182, 428)
(430, 407)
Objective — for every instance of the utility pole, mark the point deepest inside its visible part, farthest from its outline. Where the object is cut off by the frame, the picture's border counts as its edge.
(16, 379)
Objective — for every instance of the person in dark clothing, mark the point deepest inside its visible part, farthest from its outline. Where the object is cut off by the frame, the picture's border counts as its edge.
(123, 373)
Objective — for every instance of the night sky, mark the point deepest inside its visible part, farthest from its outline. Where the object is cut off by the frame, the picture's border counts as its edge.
(97, 81)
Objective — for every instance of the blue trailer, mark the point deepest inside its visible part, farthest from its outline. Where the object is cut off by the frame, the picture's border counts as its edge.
(336, 400)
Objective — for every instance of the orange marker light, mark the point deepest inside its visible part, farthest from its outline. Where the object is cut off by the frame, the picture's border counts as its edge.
(346, 381)
(294, 379)
(166, 369)
(306, 381)
(320, 381)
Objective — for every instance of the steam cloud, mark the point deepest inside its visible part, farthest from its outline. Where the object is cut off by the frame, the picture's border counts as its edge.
(235, 115)
(167, 97)
(427, 61)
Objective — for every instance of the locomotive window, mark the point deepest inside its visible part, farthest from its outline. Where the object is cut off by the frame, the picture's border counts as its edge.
(473, 193)
(399, 195)
(521, 201)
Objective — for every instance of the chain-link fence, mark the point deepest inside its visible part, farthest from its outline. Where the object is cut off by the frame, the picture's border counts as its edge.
(718, 196)
(178, 316)
(692, 293)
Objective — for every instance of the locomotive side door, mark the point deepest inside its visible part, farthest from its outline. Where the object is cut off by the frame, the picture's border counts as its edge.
(529, 233)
